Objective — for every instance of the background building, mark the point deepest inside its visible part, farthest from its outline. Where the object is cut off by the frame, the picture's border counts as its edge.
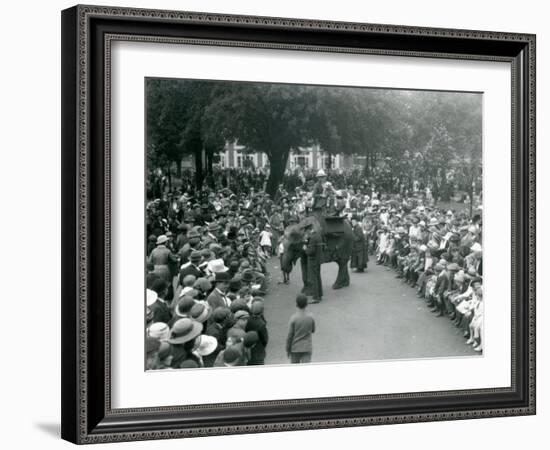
(235, 156)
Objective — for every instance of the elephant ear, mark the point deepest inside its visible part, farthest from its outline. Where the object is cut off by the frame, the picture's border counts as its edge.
(294, 235)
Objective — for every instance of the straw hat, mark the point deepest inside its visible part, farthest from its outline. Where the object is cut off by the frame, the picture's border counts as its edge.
(207, 344)
(321, 173)
(159, 330)
(200, 312)
(217, 266)
(184, 330)
(476, 247)
(152, 297)
(162, 239)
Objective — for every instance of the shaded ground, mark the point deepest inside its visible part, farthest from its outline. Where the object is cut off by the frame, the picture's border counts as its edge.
(376, 318)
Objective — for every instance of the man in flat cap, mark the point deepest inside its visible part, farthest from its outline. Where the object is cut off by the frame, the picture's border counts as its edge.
(193, 244)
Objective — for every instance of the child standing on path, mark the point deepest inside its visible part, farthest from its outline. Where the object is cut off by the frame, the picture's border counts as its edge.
(299, 346)
(281, 252)
(265, 240)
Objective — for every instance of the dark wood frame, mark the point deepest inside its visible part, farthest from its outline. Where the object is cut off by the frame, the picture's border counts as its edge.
(87, 416)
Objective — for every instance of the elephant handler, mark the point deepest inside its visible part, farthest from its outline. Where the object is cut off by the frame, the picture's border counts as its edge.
(313, 249)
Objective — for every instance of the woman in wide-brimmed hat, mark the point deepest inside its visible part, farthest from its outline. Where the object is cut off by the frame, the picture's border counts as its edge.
(205, 349)
(182, 338)
(201, 312)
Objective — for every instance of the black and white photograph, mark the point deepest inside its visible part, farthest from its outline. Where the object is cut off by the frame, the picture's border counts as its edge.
(296, 224)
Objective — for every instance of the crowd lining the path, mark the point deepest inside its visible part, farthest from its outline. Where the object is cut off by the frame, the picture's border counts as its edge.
(207, 254)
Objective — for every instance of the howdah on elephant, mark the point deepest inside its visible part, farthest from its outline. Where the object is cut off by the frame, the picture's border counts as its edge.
(338, 243)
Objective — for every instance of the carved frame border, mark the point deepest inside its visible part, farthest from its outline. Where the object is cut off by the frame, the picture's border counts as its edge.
(77, 428)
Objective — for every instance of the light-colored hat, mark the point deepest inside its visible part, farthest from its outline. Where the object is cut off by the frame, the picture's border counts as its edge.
(189, 291)
(321, 173)
(476, 247)
(423, 248)
(152, 297)
(207, 345)
(217, 266)
(422, 223)
(162, 239)
(459, 277)
(159, 330)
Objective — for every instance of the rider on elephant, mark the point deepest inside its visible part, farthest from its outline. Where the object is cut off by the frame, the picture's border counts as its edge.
(319, 193)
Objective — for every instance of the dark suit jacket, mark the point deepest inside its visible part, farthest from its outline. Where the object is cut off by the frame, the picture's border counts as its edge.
(161, 312)
(257, 353)
(215, 300)
(314, 248)
(190, 270)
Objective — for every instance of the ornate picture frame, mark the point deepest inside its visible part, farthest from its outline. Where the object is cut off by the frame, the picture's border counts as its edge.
(87, 35)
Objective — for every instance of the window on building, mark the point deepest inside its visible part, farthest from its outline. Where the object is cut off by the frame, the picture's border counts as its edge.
(302, 161)
(241, 158)
(327, 163)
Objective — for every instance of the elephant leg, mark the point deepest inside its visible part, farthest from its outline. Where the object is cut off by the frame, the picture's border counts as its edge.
(303, 264)
(345, 270)
(342, 280)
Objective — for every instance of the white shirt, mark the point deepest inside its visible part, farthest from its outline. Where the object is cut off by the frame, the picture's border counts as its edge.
(265, 238)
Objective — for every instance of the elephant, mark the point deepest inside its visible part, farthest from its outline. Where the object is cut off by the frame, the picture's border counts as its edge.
(337, 247)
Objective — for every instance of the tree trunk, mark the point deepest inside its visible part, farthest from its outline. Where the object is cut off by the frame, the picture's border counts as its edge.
(198, 168)
(366, 169)
(169, 172)
(178, 169)
(277, 166)
(209, 162)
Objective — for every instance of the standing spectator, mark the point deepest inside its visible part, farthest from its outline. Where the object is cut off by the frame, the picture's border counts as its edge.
(191, 267)
(281, 254)
(161, 257)
(276, 222)
(218, 326)
(152, 346)
(218, 296)
(256, 322)
(359, 255)
(159, 308)
(299, 346)
(265, 240)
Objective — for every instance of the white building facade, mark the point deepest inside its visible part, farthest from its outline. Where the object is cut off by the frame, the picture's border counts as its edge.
(312, 158)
